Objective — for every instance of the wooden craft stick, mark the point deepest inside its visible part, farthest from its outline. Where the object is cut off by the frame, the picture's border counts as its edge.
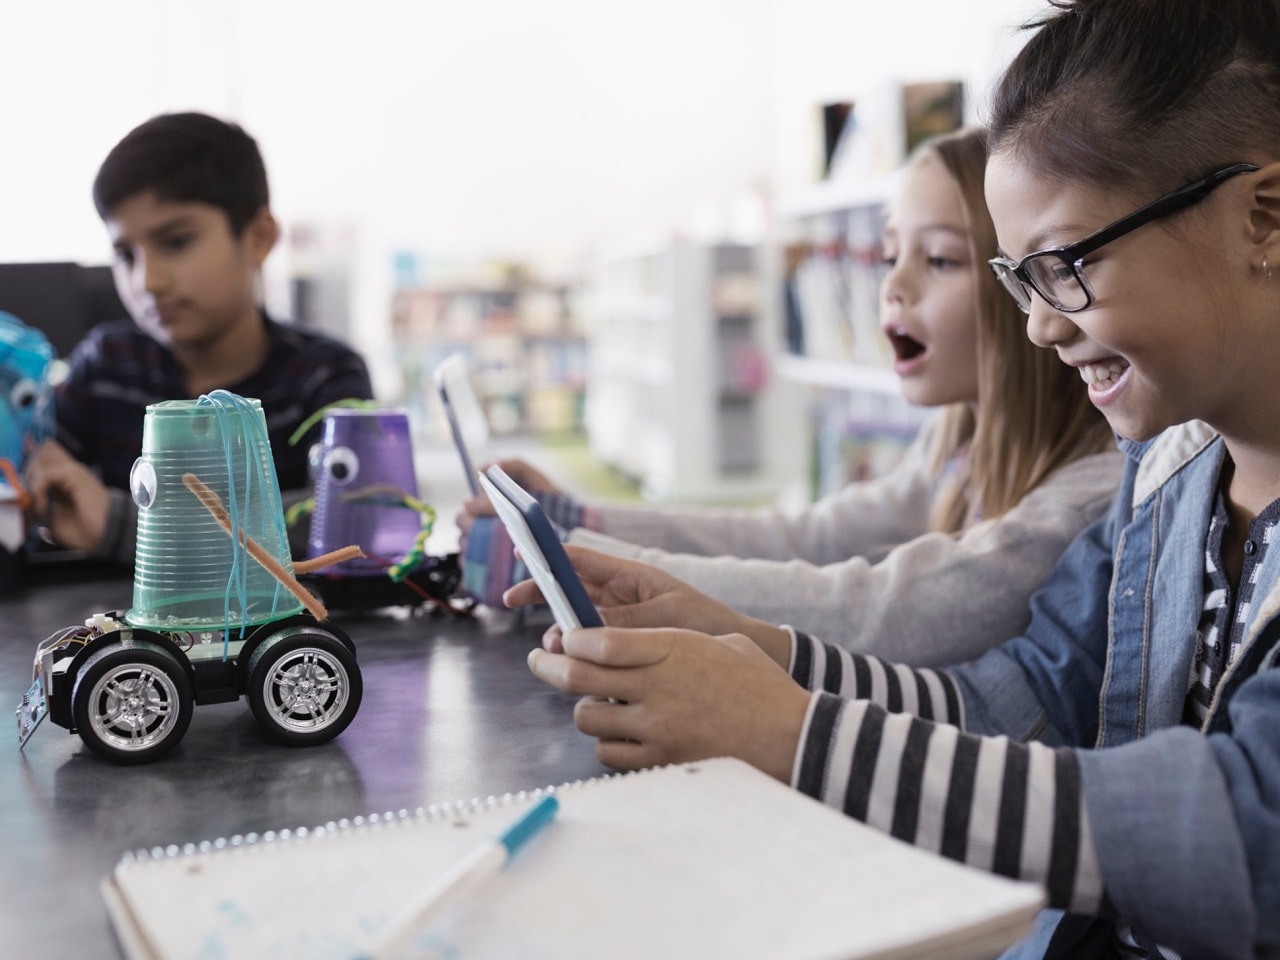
(327, 559)
(213, 503)
(20, 492)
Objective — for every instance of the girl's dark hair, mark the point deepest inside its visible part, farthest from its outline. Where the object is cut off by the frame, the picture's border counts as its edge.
(1033, 413)
(186, 157)
(1143, 94)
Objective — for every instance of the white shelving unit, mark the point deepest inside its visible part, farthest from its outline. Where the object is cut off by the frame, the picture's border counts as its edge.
(680, 387)
(838, 374)
(524, 345)
(828, 236)
(830, 196)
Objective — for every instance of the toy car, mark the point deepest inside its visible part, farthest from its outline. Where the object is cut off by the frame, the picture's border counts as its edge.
(217, 612)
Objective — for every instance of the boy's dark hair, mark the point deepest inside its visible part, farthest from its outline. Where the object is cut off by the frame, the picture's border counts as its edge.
(1143, 94)
(186, 157)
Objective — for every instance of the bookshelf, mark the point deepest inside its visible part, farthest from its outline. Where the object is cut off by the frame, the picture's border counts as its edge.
(828, 235)
(523, 339)
(680, 391)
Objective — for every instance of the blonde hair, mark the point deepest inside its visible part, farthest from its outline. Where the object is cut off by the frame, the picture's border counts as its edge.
(1033, 412)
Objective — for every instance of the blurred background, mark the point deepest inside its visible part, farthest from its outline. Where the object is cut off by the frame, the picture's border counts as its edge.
(651, 227)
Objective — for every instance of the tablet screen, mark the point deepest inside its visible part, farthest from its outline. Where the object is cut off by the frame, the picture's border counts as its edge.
(467, 423)
(541, 550)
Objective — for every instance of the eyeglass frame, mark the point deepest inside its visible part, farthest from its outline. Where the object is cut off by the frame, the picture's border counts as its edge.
(1073, 254)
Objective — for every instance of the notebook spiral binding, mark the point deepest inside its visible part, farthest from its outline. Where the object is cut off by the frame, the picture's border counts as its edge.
(461, 809)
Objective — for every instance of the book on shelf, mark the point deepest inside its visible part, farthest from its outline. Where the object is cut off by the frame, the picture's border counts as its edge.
(859, 436)
(707, 859)
(929, 109)
(832, 298)
(892, 119)
(839, 119)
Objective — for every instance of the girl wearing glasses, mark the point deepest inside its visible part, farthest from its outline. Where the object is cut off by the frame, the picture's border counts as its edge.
(1125, 749)
(985, 500)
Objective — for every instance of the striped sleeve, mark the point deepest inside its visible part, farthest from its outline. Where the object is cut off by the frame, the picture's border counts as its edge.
(928, 694)
(1012, 808)
(566, 512)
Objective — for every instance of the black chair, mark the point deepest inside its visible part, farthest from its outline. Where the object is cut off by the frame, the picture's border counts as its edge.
(62, 299)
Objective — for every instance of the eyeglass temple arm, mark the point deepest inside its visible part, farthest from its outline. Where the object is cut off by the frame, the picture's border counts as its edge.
(1191, 194)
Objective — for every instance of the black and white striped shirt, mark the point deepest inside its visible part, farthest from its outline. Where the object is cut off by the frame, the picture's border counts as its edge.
(886, 744)
(1226, 609)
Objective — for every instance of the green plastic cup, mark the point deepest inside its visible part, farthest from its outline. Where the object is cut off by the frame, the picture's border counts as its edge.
(189, 573)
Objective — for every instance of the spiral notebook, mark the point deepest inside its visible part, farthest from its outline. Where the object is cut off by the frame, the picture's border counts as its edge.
(709, 859)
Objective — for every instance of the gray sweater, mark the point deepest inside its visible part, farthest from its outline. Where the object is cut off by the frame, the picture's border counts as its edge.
(859, 567)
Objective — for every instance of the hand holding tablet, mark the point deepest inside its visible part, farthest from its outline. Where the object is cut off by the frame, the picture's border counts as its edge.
(541, 550)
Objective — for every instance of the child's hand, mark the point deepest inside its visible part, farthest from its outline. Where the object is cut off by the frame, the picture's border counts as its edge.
(66, 497)
(670, 696)
(633, 594)
(531, 479)
(464, 520)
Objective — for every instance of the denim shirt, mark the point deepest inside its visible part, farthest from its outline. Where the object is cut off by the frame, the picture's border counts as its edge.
(1186, 823)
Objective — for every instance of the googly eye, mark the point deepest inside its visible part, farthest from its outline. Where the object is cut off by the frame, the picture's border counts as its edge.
(315, 456)
(142, 483)
(342, 464)
(24, 394)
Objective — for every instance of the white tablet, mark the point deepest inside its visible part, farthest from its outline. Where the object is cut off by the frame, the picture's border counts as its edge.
(541, 550)
(462, 409)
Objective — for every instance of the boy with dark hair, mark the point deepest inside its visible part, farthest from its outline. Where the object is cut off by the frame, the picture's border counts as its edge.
(185, 201)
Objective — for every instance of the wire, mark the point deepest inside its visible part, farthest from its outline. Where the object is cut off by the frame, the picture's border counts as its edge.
(238, 419)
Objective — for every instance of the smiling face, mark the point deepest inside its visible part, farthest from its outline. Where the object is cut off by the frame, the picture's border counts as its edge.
(928, 300)
(1172, 334)
(183, 275)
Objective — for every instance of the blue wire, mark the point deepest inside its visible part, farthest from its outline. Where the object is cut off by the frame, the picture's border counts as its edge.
(267, 482)
(238, 577)
(255, 468)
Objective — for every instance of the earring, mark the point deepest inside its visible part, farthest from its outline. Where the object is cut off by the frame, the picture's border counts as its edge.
(1266, 269)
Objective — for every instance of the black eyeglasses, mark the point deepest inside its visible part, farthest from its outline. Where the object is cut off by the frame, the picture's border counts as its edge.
(1057, 273)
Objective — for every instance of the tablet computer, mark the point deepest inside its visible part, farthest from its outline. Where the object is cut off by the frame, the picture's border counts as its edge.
(541, 550)
(467, 423)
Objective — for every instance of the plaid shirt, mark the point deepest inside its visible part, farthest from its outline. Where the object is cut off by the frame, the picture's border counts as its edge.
(117, 370)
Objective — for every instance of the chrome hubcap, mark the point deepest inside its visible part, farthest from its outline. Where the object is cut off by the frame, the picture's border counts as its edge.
(307, 690)
(133, 706)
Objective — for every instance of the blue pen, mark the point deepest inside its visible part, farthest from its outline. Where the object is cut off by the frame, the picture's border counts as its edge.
(467, 874)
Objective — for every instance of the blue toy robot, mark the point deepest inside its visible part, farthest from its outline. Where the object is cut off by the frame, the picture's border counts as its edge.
(26, 419)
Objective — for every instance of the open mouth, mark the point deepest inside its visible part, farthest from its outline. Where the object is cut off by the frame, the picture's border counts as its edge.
(904, 347)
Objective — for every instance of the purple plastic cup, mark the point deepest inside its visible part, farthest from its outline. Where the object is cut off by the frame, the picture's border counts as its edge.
(363, 474)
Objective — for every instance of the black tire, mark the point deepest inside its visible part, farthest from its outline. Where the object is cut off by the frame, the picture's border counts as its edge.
(132, 704)
(304, 686)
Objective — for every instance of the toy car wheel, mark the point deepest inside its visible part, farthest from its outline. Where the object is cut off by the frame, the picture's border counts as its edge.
(304, 686)
(132, 704)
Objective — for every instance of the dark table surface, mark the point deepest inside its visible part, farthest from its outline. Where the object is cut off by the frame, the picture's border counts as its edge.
(450, 712)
